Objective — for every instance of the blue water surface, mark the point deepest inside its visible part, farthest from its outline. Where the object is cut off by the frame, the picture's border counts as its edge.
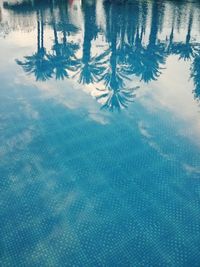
(100, 133)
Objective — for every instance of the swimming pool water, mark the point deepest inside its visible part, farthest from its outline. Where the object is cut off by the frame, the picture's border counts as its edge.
(100, 133)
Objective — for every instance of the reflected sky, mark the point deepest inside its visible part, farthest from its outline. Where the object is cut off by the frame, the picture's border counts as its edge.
(99, 103)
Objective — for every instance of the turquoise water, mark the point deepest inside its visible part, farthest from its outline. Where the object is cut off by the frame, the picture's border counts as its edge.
(100, 133)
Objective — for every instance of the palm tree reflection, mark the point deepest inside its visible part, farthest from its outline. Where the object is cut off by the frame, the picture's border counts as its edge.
(38, 63)
(115, 93)
(145, 62)
(63, 54)
(186, 51)
(128, 51)
(195, 74)
(90, 69)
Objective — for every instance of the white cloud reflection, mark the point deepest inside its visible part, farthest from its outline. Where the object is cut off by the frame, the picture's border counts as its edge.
(173, 92)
